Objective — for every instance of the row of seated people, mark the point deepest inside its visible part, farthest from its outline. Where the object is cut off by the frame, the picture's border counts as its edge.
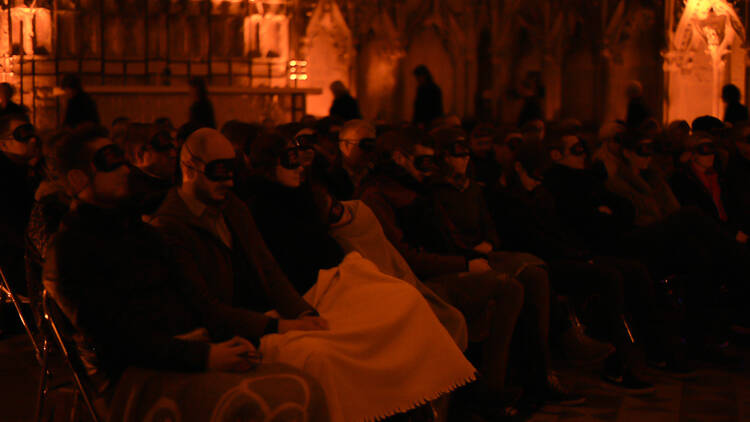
(271, 237)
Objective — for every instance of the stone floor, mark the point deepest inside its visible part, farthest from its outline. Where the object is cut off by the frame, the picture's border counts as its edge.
(712, 395)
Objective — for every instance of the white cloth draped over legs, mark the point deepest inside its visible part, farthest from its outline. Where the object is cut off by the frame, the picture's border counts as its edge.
(385, 352)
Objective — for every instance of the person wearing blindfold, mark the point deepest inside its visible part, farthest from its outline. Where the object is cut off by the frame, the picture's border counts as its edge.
(598, 215)
(19, 178)
(116, 280)
(399, 193)
(153, 155)
(356, 146)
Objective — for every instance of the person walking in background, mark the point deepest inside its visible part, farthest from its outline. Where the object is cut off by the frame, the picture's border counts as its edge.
(735, 112)
(429, 102)
(201, 111)
(344, 106)
(81, 107)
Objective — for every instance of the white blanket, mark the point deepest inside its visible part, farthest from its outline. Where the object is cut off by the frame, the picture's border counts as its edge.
(385, 352)
(365, 235)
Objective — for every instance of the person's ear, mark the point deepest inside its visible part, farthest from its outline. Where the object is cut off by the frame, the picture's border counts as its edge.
(188, 172)
(519, 168)
(345, 148)
(78, 180)
(556, 155)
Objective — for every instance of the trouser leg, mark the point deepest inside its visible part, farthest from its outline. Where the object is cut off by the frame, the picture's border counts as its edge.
(491, 304)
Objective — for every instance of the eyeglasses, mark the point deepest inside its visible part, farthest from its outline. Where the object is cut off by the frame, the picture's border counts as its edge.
(578, 149)
(109, 158)
(24, 133)
(290, 159)
(305, 142)
(707, 148)
(425, 163)
(161, 142)
(216, 170)
(365, 144)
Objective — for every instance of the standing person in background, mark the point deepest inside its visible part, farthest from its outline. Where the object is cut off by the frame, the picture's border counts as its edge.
(344, 106)
(735, 112)
(201, 111)
(7, 106)
(638, 111)
(81, 108)
(429, 102)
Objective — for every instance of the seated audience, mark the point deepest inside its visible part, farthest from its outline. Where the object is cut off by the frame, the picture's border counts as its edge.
(114, 279)
(368, 320)
(398, 194)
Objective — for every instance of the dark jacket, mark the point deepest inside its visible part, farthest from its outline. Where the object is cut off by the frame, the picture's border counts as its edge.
(638, 113)
(46, 216)
(428, 105)
(13, 108)
(345, 107)
(405, 212)
(528, 221)
(578, 195)
(287, 219)
(113, 277)
(148, 192)
(463, 217)
(691, 192)
(234, 285)
(735, 113)
(81, 109)
(738, 189)
(18, 182)
(202, 114)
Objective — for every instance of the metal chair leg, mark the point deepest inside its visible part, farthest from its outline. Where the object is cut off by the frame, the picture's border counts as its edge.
(5, 290)
(74, 406)
(42, 397)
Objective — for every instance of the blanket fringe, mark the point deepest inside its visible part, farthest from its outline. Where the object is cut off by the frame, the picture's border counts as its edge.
(413, 405)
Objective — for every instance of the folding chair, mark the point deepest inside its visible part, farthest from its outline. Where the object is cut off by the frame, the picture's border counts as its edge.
(7, 296)
(61, 332)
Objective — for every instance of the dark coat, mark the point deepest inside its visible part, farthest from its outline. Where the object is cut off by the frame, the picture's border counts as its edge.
(528, 221)
(13, 108)
(202, 114)
(18, 182)
(345, 107)
(692, 193)
(296, 237)
(405, 212)
(463, 217)
(81, 109)
(148, 192)
(428, 105)
(735, 113)
(578, 194)
(638, 113)
(738, 189)
(113, 277)
(234, 290)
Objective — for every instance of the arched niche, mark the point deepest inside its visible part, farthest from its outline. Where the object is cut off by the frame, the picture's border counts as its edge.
(427, 48)
(329, 56)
